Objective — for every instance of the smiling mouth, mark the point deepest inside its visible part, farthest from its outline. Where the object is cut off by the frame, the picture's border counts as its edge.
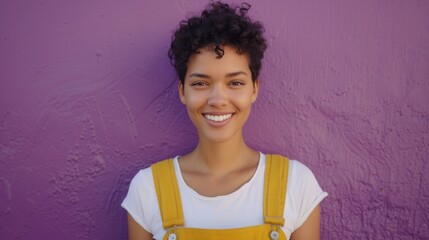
(218, 118)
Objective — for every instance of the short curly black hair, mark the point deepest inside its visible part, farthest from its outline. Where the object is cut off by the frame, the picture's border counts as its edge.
(219, 25)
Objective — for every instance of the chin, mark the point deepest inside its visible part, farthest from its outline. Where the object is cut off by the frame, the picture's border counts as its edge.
(217, 137)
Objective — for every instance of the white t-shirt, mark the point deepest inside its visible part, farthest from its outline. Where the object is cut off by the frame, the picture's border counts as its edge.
(242, 208)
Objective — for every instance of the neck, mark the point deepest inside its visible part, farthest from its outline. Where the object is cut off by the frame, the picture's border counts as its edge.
(223, 157)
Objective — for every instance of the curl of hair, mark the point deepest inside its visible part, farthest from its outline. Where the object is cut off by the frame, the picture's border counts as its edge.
(219, 25)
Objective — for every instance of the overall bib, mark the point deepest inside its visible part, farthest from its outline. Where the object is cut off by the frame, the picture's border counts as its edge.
(170, 205)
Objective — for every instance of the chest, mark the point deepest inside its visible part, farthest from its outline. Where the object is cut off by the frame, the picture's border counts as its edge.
(212, 186)
(242, 207)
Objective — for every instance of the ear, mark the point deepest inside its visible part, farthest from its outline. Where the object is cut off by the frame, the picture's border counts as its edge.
(255, 90)
(181, 90)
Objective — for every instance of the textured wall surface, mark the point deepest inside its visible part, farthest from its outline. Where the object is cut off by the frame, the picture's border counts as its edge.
(87, 97)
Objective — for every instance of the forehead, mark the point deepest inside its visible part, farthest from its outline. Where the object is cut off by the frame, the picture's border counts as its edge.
(207, 61)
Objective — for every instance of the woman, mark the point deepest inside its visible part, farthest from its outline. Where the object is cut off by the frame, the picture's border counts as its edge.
(219, 190)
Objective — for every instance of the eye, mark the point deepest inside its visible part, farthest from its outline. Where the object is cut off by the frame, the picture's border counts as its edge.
(236, 83)
(199, 84)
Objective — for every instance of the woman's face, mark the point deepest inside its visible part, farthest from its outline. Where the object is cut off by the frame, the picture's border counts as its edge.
(218, 93)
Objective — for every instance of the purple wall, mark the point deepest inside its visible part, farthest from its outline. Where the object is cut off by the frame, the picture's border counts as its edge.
(88, 97)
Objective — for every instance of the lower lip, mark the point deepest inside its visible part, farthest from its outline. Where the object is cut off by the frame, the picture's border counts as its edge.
(218, 124)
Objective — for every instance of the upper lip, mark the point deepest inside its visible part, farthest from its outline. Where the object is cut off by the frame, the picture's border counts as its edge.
(217, 113)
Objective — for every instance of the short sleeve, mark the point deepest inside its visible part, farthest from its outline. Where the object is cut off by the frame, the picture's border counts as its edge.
(304, 193)
(140, 199)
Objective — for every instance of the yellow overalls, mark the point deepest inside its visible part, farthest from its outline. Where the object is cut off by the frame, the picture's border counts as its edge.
(170, 205)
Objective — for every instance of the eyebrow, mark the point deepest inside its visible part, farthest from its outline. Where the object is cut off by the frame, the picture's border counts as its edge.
(233, 74)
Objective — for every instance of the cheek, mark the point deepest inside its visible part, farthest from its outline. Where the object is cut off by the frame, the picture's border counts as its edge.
(243, 100)
(194, 101)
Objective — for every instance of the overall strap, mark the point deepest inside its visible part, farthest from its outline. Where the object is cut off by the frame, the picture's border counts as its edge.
(276, 175)
(167, 191)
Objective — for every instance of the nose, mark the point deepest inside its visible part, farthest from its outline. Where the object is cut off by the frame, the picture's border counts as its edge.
(218, 96)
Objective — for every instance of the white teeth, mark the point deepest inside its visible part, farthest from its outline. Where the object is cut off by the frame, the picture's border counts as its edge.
(218, 118)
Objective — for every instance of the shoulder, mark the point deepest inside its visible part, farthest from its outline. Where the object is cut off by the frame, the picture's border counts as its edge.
(299, 170)
(303, 193)
(143, 179)
(141, 201)
(142, 185)
(140, 192)
(301, 179)
(302, 185)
